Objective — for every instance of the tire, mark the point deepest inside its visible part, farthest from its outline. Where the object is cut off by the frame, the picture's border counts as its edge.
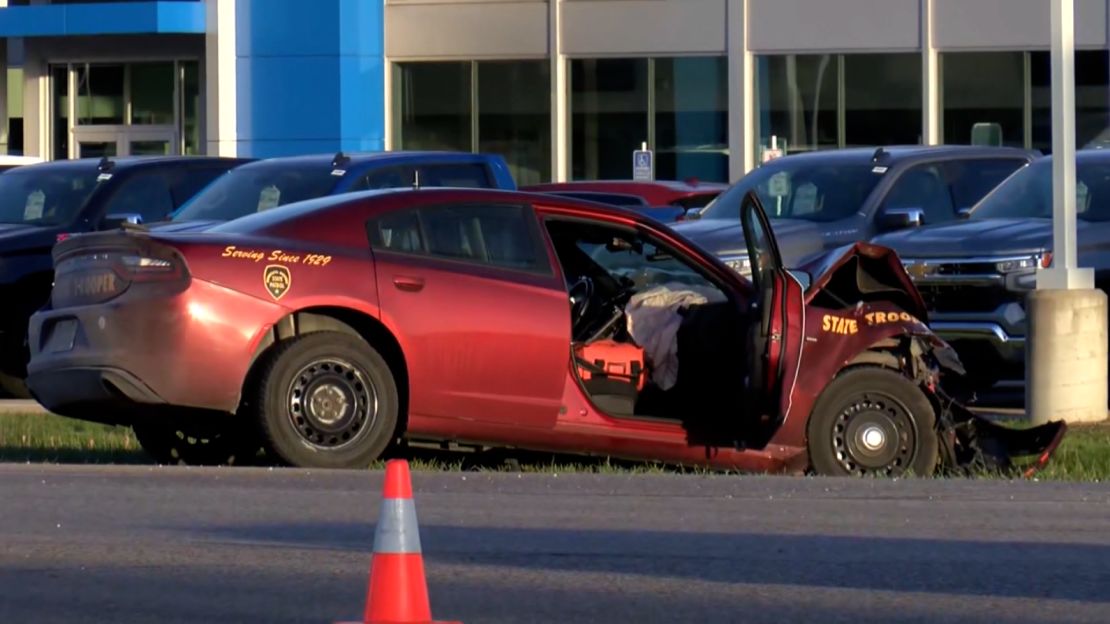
(859, 414)
(326, 400)
(190, 444)
(13, 387)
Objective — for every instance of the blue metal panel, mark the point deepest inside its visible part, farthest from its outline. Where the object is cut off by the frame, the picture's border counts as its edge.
(103, 18)
(310, 76)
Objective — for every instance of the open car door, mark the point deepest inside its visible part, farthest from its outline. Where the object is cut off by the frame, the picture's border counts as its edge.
(777, 324)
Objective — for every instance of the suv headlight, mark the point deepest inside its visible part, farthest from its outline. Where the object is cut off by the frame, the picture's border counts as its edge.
(740, 264)
(1024, 264)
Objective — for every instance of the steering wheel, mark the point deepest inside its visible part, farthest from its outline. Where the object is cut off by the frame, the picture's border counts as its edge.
(581, 293)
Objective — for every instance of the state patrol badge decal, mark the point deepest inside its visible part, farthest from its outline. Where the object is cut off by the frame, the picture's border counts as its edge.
(277, 280)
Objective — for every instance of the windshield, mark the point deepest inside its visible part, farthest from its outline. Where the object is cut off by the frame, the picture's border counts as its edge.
(1027, 194)
(44, 197)
(244, 191)
(801, 189)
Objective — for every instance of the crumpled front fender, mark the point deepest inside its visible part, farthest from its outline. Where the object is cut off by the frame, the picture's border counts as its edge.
(971, 444)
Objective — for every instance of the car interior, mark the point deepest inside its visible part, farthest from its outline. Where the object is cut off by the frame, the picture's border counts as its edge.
(653, 337)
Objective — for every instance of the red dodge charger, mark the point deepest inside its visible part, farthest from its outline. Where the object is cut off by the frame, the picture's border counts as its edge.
(330, 330)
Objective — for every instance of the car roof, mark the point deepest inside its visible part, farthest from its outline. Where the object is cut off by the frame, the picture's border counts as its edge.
(359, 159)
(684, 186)
(125, 162)
(1096, 155)
(892, 154)
(297, 210)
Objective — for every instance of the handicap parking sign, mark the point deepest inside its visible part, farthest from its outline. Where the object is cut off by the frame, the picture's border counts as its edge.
(643, 167)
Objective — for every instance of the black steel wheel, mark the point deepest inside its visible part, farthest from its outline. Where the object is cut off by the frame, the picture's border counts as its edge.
(873, 422)
(194, 444)
(327, 400)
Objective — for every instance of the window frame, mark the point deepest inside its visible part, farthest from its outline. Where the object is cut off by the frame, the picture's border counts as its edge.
(543, 266)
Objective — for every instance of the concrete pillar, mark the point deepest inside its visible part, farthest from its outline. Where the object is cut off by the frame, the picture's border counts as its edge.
(221, 74)
(741, 93)
(1066, 355)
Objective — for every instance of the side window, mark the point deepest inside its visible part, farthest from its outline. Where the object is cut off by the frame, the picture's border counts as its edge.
(145, 194)
(457, 175)
(498, 235)
(971, 180)
(191, 180)
(387, 177)
(622, 255)
(924, 187)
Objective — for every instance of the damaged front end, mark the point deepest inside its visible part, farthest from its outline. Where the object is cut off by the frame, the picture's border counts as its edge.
(970, 444)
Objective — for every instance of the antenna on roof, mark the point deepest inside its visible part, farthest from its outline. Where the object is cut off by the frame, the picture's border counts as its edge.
(416, 179)
(105, 164)
(340, 159)
(879, 153)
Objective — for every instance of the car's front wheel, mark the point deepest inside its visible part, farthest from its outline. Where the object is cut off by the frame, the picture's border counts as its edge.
(873, 421)
(327, 400)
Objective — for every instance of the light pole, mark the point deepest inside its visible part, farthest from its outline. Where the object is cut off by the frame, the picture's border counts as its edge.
(1066, 345)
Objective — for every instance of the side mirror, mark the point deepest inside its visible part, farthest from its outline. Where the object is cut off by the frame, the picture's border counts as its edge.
(113, 221)
(804, 278)
(901, 218)
(692, 214)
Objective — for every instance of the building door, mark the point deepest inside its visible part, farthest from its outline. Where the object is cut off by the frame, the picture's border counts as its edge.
(126, 108)
(97, 141)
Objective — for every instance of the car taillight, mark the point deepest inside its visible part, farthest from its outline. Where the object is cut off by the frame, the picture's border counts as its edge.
(146, 268)
(1046, 260)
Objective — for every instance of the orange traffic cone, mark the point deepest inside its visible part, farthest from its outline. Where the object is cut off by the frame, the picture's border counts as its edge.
(398, 591)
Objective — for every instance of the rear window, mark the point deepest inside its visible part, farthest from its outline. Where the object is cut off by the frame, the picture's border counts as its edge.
(247, 190)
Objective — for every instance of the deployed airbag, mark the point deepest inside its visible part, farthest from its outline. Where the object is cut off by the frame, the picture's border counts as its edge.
(653, 318)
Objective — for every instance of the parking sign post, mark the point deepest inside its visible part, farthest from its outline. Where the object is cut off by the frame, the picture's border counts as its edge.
(643, 164)
(1066, 337)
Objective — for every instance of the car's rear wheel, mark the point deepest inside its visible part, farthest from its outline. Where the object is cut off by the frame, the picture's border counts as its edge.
(873, 421)
(197, 444)
(327, 400)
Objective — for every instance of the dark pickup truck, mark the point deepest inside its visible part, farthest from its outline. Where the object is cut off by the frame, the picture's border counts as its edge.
(974, 273)
(43, 203)
(822, 200)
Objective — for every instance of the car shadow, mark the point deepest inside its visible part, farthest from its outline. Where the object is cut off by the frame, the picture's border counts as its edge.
(960, 567)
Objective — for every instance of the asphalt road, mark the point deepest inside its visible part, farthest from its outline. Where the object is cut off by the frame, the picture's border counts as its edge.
(162, 545)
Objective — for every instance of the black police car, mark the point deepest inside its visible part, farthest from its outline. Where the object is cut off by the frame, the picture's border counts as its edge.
(43, 203)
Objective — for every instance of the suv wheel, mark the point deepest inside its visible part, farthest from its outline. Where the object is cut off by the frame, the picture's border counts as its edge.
(873, 421)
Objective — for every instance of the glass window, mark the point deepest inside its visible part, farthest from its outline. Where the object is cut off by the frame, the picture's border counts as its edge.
(145, 194)
(979, 110)
(1028, 193)
(970, 180)
(608, 116)
(152, 91)
(922, 187)
(801, 189)
(248, 189)
(797, 101)
(190, 108)
(100, 94)
(882, 99)
(691, 118)
(386, 177)
(460, 175)
(498, 235)
(1092, 106)
(44, 197)
(192, 180)
(514, 116)
(434, 111)
(59, 79)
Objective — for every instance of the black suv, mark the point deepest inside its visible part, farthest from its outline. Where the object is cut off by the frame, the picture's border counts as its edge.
(825, 199)
(45, 202)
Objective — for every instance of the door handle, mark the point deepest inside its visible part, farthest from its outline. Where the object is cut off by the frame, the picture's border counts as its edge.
(408, 283)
